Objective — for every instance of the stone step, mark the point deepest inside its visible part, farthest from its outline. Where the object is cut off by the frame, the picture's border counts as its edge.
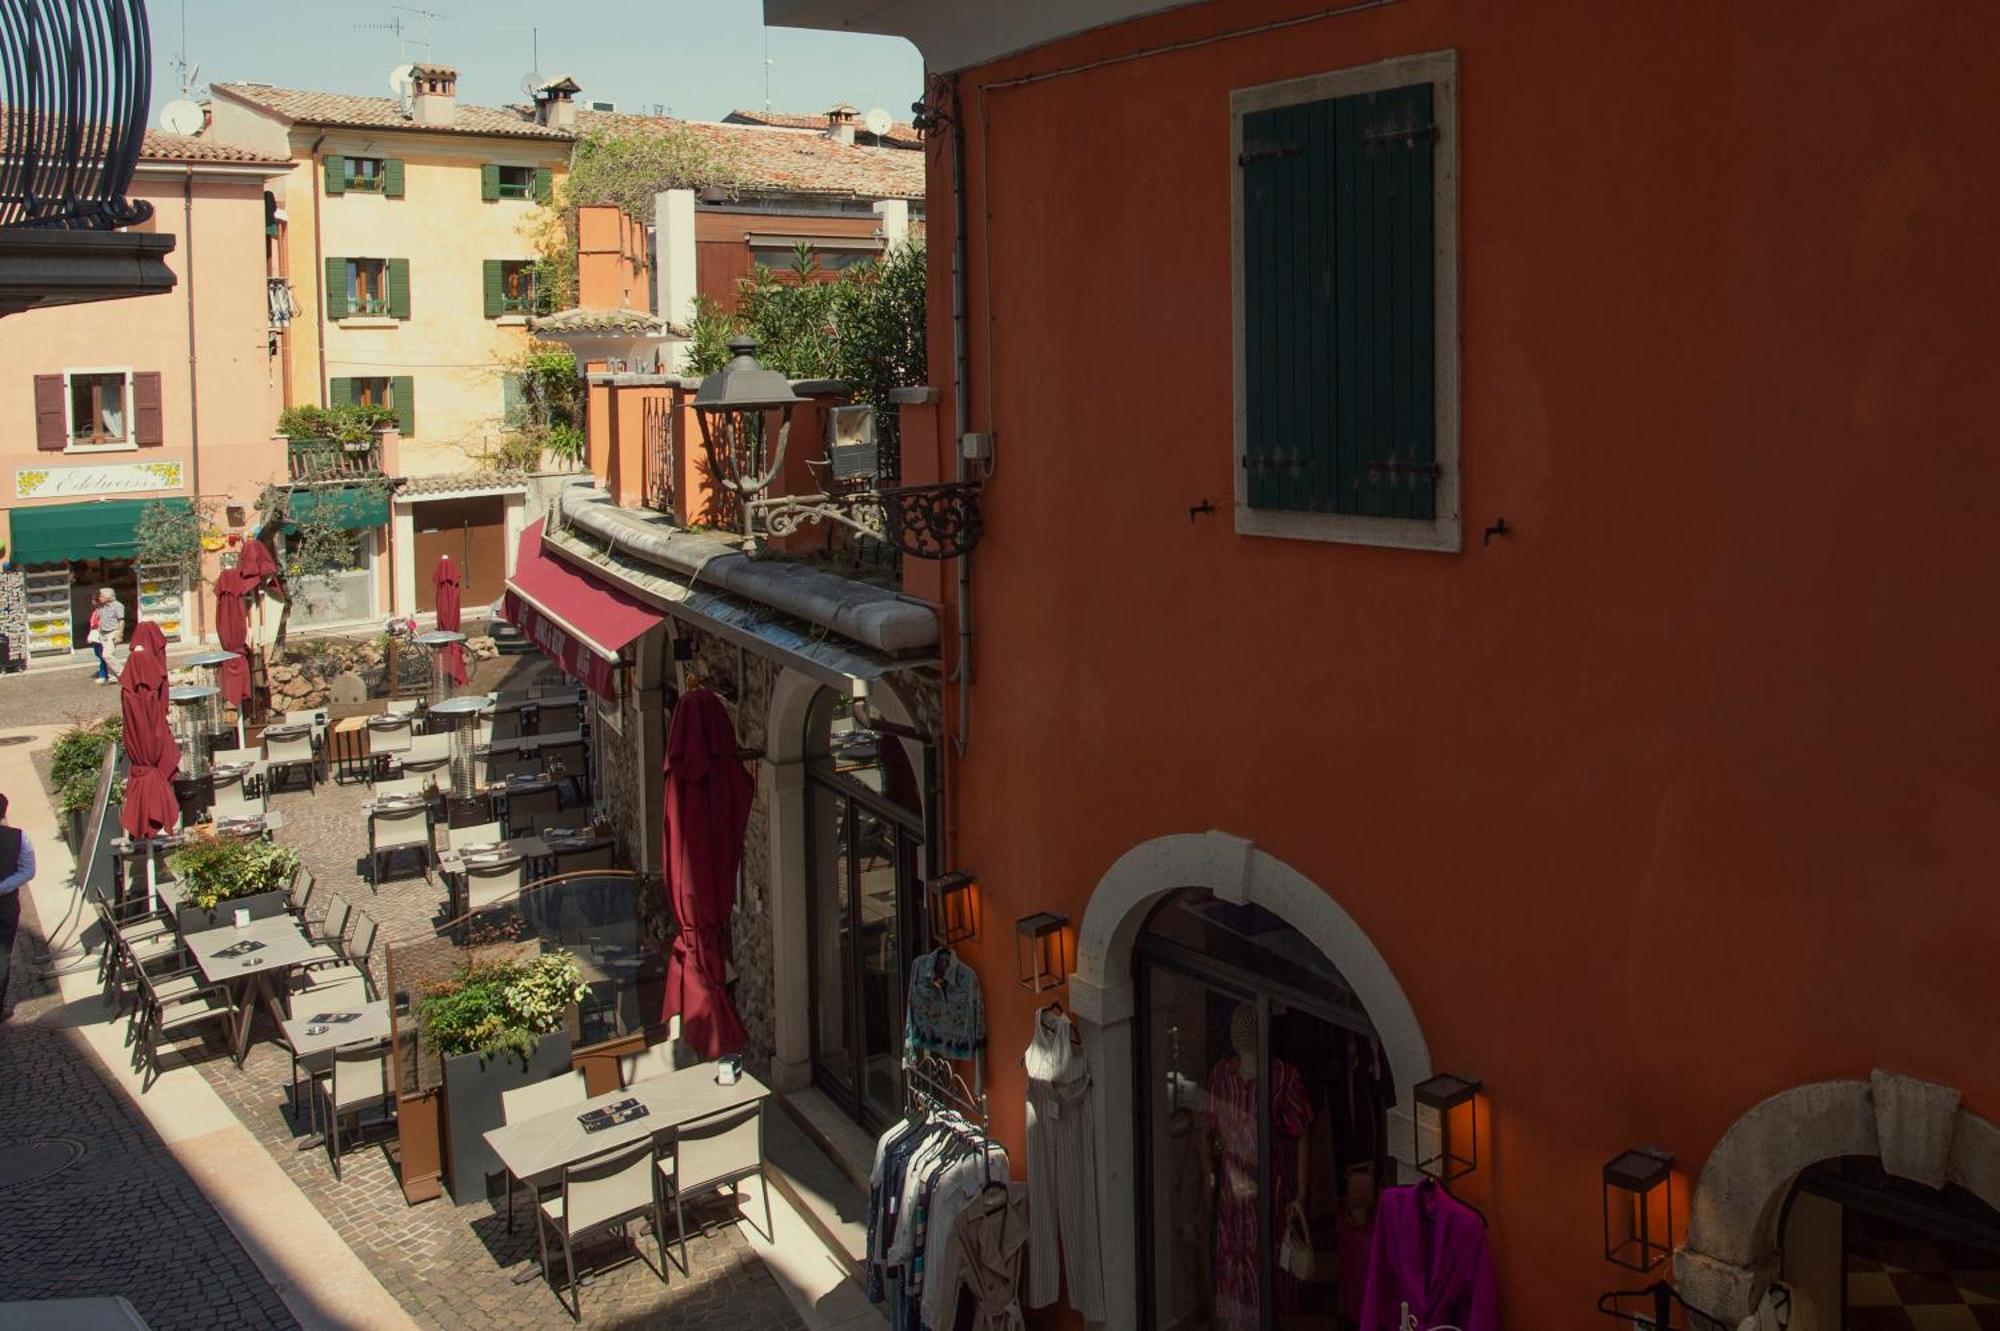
(818, 1176)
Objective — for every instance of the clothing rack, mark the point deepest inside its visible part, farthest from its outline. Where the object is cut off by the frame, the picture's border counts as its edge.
(931, 1082)
(1659, 1317)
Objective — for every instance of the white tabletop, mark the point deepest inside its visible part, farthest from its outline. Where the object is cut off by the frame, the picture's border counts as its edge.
(530, 847)
(284, 945)
(529, 743)
(308, 1036)
(547, 1142)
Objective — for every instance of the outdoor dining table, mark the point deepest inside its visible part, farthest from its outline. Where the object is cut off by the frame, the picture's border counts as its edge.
(530, 848)
(350, 749)
(256, 956)
(528, 743)
(535, 1150)
(322, 1030)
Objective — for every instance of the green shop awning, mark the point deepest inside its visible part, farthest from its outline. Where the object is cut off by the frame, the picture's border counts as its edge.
(103, 529)
(350, 506)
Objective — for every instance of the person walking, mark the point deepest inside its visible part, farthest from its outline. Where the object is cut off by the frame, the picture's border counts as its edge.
(17, 870)
(107, 630)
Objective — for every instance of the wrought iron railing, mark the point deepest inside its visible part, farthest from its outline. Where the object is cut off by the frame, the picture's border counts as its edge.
(331, 460)
(76, 77)
(662, 486)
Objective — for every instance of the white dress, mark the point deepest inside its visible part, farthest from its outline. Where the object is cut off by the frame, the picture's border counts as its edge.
(1062, 1172)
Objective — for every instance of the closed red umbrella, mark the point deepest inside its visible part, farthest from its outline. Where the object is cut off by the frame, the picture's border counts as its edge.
(151, 755)
(254, 569)
(444, 580)
(708, 808)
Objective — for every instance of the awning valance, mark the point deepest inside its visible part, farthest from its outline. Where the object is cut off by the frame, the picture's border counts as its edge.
(354, 508)
(101, 529)
(578, 621)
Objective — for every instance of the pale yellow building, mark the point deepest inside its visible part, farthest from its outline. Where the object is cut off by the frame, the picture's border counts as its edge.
(408, 227)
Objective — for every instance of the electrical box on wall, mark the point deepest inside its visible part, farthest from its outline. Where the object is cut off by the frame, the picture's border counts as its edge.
(976, 447)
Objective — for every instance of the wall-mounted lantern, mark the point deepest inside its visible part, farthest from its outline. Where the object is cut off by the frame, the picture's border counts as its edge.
(1040, 957)
(1449, 1106)
(1639, 1208)
(950, 898)
(733, 406)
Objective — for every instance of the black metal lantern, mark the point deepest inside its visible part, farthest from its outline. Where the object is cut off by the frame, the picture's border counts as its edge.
(733, 406)
(950, 898)
(1449, 1106)
(1039, 953)
(1639, 1208)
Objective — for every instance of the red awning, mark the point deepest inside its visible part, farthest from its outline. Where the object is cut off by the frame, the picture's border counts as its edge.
(578, 621)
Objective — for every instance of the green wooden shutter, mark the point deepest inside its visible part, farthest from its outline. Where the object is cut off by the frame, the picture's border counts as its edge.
(392, 177)
(403, 400)
(336, 174)
(489, 181)
(336, 288)
(339, 391)
(494, 282)
(399, 288)
(510, 398)
(545, 183)
(1338, 305)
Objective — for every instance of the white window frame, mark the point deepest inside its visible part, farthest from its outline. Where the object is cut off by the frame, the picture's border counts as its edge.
(130, 443)
(527, 193)
(1444, 530)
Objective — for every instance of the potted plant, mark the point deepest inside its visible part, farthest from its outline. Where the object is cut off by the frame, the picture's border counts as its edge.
(496, 1026)
(219, 876)
(349, 424)
(74, 764)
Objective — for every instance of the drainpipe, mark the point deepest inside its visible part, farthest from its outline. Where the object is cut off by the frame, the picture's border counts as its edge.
(319, 271)
(961, 410)
(194, 394)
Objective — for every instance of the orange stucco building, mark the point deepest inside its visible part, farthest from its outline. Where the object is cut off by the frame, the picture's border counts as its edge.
(1559, 607)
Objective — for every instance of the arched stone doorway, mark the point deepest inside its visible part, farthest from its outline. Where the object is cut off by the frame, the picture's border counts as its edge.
(1102, 998)
(1917, 1129)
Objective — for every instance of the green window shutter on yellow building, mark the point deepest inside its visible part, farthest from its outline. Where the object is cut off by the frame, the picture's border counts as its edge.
(336, 288)
(399, 288)
(392, 177)
(339, 391)
(489, 181)
(336, 174)
(403, 400)
(494, 285)
(545, 183)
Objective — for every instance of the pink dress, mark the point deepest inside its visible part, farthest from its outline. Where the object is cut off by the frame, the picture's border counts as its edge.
(1232, 1116)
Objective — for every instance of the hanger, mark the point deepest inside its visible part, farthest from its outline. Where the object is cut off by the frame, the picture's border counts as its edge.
(1445, 1188)
(1664, 1296)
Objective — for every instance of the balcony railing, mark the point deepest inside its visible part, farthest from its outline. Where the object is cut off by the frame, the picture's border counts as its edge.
(75, 82)
(331, 460)
(662, 483)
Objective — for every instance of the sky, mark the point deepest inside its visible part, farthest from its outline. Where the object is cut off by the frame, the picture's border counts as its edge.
(698, 59)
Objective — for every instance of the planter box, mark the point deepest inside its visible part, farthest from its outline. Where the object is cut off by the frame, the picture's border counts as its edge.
(473, 1085)
(263, 906)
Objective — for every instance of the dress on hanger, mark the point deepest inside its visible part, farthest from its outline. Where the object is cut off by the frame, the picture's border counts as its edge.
(1429, 1263)
(1062, 1171)
(983, 1259)
(1232, 1116)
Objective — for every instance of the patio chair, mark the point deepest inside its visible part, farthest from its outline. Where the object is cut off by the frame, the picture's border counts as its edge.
(342, 960)
(558, 717)
(330, 928)
(356, 1079)
(567, 819)
(655, 1060)
(404, 706)
(602, 1192)
(591, 857)
(390, 734)
(401, 786)
(173, 1012)
(397, 829)
(723, 1148)
(289, 750)
(317, 998)
(232, 800)
(298, 897)
(499, 723)
(525, 1102)
(428, 756)
(479, 834)
(487, 884)
(133, 944)
(573, 761)
(524, 806)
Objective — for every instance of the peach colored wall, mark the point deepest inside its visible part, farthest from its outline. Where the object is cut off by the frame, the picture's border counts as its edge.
(1681, 794)
(610, 259)
(236, 384)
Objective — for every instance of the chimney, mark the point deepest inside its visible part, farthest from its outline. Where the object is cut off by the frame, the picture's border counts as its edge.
(555, 103)
(435, 94)
(840, 124)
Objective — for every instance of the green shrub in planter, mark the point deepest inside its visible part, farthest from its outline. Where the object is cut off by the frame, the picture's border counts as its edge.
(218, 869)
(79, 750)
(501, 1006)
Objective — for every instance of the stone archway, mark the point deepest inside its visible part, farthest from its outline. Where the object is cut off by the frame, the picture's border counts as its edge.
(1917, 1129)
(1101, 996)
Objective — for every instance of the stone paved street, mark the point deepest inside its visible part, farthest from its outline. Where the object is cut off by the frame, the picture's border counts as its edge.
(124, 1218)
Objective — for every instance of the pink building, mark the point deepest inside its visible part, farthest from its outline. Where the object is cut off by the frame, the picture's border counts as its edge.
(112, 405)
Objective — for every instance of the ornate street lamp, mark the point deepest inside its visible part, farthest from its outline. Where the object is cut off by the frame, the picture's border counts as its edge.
(734, 406)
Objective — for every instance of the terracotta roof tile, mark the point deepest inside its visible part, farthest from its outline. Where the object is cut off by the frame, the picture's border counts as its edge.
(344, 109)
(163, 147)
(636, 323)
(902, 134)
(788, 160)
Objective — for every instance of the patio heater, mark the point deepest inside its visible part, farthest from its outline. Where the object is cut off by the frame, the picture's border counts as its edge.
(463, 714)
(435, 642)
(193, 712)
(212, 662)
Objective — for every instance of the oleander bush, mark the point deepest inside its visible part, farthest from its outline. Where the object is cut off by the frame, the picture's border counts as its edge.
(501, 1006)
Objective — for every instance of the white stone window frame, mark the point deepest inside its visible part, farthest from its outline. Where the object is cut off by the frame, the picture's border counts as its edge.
(1444, 531)
(130, 443)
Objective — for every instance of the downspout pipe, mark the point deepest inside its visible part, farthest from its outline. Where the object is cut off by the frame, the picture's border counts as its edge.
(961, 410)
(194, 387)
(319, 272)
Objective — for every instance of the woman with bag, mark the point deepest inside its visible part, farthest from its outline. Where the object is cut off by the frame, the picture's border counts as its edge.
(107, 630)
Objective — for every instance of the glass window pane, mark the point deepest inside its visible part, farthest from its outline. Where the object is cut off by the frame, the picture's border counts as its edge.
(875, 861)
(832, 945)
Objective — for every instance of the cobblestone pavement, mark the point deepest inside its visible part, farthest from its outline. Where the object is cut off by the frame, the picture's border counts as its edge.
(124, 1218)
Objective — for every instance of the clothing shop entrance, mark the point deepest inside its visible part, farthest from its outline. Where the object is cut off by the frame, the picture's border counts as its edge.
(1265, 1094)
(1863, 1250)
(865, 843)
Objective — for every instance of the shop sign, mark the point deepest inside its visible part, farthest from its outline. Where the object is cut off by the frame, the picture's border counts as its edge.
(91, 480)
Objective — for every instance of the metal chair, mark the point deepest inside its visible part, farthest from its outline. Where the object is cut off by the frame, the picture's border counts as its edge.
(656, 1060)
(404, 706)
(288, 750)
(525, 1102)
(232, 801)
(389, 734)
(400, 787)
(339, 961)
(356, 1079)
(574, 764)
(330, 928)
(320, 998)
(488, 884)
(391, 830)
(556, 718)
(479, 834)
(298, 897)
(174, 1011)
(602, 1192)
(710, 1152)
(523, 806)
(592, 857)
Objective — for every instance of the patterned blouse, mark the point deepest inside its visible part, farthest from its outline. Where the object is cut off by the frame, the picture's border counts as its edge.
(946, 1014)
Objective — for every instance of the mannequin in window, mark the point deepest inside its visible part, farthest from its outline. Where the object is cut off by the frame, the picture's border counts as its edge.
(1354, 1236)
(1233, 1134)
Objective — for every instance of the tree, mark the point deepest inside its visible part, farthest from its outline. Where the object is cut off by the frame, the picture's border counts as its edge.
(316, 547)
(171, 536)
(548, 415)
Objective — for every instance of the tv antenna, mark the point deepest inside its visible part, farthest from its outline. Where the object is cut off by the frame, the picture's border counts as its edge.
(424, 17)
(394, 25)
(187, 74)
(533, 82)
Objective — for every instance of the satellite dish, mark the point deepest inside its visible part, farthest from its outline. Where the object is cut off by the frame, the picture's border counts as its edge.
(531, 86)
(181, 116)
(877, 122)
(399, 78)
